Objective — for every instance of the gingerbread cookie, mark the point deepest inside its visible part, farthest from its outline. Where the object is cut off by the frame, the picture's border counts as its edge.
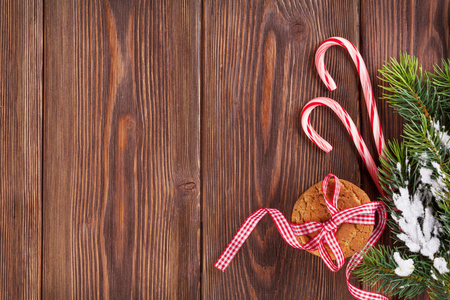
(311, 207)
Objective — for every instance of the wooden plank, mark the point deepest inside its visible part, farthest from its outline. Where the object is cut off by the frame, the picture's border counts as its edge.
(391, 27)
(121, 139)
(259, 72)
(20, 148)
(388, 28)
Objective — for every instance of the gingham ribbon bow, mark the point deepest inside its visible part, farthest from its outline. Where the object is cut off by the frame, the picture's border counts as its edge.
(362, 214)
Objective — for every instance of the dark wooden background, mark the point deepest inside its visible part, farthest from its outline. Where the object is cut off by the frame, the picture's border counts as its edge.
(137, 136)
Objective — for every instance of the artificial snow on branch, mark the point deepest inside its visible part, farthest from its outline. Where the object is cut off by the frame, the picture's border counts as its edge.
(415, 174)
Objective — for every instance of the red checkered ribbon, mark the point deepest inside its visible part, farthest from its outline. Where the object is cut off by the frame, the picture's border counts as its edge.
(362, 214)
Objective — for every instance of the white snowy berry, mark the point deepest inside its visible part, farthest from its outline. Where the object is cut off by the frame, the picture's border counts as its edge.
(405, 266)
(441, 265)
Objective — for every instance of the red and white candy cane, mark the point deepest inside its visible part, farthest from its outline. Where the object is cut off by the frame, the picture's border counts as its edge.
(362, 214)
(349, 125)
(364, 78)
(342, 114)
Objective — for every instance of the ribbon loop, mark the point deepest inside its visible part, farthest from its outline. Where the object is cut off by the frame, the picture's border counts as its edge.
(331, 239)
(332, 207)
(362, 214)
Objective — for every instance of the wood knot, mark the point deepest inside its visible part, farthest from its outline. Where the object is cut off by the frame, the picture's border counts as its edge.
(298, 31)
(188, 186)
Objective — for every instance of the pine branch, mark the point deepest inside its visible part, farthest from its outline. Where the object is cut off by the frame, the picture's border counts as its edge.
(378, 268)
(441, 80)
(422, 138)
(440, 289)
(415, 174)
(404, 89)
(413, 93)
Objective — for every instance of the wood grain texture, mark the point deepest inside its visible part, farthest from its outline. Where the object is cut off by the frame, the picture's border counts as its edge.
(114, 115)
(121, 133)
(420, 28)
(20, 148)
(258, 74)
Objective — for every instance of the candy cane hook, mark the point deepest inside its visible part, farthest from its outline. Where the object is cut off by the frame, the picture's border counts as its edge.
(349, 125)
(365, 83)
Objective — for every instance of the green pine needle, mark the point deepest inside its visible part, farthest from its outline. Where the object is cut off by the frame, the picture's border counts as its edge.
(417, 168)
(378, 270)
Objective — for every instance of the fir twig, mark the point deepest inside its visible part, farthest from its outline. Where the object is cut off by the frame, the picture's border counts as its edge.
(378, 269)
(415, 174)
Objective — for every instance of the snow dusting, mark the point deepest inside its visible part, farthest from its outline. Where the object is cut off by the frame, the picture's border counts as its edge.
(441, 265)
(417, 237)
(433, 275)
(443, 136)
(425, 174)
(438, 185)
(405, 266)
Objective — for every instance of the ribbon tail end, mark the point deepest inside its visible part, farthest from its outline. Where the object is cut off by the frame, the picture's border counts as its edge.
(220, 268)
